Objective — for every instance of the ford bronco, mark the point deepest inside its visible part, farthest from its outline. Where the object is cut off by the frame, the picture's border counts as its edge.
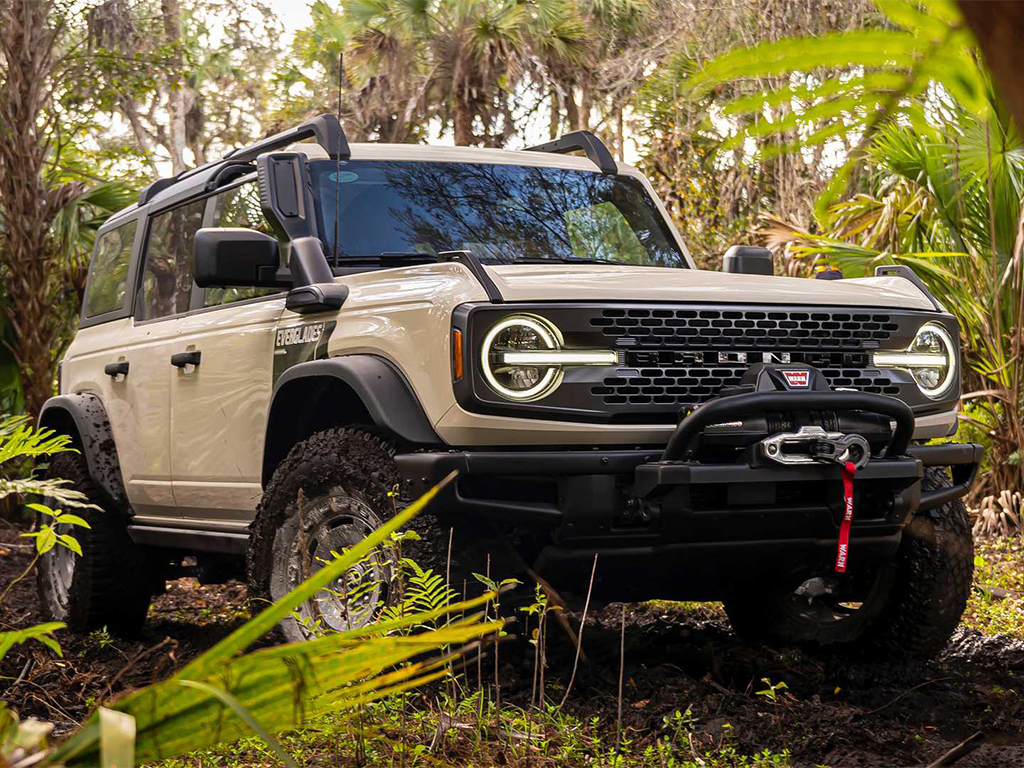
(279, 347)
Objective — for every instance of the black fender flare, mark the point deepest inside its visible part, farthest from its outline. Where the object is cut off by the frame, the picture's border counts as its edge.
(381, 387)
(86, 414)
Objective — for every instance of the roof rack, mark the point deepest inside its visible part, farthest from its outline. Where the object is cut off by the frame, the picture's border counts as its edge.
(591, 145)
(326, 129)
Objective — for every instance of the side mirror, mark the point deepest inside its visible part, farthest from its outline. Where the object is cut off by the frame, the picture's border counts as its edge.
(227, 258)
(748, 260)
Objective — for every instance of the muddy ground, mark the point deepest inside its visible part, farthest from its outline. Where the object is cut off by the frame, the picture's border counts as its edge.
(833, 712)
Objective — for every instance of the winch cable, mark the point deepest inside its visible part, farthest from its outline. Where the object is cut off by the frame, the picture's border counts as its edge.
(849, 470)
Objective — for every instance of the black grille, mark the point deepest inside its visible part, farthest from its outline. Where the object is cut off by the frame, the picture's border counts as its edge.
(693, 384)
(673, 356)
(722, 328)
(712, 338)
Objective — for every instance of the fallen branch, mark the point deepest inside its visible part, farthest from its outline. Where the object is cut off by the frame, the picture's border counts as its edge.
(962, 749)
(909, 690)
(127, 667)
(552, 595)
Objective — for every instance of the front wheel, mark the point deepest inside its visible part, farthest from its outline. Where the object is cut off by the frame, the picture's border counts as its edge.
(332, 490)
(905, 608)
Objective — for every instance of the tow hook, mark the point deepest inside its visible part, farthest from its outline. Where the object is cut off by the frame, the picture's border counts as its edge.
(813, 445)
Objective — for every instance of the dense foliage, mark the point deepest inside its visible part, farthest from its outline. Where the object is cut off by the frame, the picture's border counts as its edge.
(833, 121)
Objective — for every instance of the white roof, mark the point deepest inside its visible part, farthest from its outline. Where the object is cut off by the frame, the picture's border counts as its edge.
(435, 154)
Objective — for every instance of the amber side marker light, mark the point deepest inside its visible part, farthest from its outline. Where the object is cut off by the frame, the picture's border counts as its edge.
(457, 365)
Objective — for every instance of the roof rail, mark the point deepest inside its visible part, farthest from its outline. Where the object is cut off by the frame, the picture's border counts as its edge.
(591, 145)
(326, 129)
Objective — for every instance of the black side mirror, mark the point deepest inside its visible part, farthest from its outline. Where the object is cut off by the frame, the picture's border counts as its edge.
(237, 258)
(748, 260)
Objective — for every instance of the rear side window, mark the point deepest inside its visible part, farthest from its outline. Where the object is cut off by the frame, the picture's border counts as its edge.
(239, 207)
(167, 275)
(108, 272)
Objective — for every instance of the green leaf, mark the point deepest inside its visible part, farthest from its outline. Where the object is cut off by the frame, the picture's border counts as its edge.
(245, 715)
(117, 739)
(910, 17)
(46, 539)
(41, 509)
(73, 520)
(70, 542)
(283, 686)
(40, 632)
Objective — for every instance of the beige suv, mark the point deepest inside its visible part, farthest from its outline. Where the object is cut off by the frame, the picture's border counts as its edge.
(347, 320)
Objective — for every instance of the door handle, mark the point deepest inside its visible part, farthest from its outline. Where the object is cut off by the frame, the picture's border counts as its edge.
(181, 359)
(119, 368)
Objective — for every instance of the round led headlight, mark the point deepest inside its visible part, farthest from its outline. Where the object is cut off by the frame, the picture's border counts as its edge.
(521, 379)
(930, 359)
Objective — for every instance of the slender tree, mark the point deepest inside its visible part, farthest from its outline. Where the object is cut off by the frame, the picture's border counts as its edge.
(29, 253)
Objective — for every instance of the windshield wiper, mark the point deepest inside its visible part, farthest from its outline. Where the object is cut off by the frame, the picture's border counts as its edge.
(561, 260)
(388, 259)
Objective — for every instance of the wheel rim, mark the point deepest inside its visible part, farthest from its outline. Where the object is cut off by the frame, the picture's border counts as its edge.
(60, 565)
(830, 601)
(353, 600)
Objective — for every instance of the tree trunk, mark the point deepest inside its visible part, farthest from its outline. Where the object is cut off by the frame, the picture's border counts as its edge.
(555, 118)
(464, 136)
(998, 26)
(620, 135)
(572, 112)
(177, 103)
(586, 96)
(28, 254)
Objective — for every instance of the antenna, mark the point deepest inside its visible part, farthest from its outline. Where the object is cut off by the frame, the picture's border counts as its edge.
(337, 166)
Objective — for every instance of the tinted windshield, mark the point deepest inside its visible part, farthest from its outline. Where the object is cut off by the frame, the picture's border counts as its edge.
(503, 213)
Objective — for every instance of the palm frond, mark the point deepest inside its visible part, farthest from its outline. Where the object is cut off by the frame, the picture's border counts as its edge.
(280, 688)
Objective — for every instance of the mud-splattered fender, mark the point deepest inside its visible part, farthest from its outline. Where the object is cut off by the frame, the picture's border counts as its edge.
(304, 401)
(85, 419)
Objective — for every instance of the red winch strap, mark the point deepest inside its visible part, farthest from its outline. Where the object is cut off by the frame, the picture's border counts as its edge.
(849, 470)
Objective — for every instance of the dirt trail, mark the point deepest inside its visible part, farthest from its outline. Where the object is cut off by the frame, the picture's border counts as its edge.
(832, 712)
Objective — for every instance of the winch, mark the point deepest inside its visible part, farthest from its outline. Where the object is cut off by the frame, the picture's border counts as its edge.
(794, 437)
(812, 444)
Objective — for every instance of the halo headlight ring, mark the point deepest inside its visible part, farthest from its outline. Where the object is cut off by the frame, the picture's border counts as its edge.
(916, 361)
(548, 338)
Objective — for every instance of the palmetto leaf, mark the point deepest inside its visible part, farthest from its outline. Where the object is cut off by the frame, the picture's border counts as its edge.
(282, 687)
(880, 74)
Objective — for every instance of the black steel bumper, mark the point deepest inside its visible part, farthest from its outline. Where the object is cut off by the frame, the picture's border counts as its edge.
(689, 529)
(589, 470)
(685, 531)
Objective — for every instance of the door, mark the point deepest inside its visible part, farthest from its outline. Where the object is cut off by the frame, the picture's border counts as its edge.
(219, 407)
(125, 362)
(140, 401)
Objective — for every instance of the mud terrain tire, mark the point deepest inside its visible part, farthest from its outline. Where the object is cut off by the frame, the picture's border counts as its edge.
(108, 586)
(913, 610)
(345, 476)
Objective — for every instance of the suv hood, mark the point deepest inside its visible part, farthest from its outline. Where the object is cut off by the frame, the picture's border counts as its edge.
(607, 282)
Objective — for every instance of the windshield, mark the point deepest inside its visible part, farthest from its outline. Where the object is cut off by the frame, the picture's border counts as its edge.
(503, 213)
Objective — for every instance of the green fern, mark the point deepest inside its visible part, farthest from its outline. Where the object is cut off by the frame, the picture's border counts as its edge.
(19, 439)
(424, 592)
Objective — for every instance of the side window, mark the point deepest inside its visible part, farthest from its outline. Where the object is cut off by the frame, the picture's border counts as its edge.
(108, 272)
(167, 275)
(238, 207)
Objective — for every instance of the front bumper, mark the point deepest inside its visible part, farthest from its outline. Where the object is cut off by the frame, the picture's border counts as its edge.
(679, 530)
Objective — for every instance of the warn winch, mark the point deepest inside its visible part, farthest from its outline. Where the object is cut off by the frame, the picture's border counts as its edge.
(774, 458)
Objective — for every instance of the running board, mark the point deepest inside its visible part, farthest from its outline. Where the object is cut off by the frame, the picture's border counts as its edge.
(223, 542)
